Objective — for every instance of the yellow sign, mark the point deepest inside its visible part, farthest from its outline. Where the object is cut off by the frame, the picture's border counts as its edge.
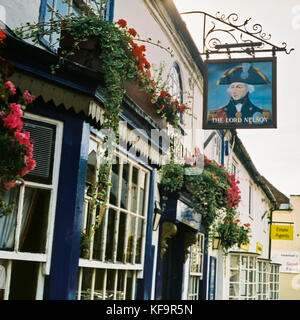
(282, 232)
(259, 248)
(245, 247)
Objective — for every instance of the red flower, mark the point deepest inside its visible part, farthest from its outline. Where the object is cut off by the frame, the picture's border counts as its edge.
(237, 220)
(2, 35)
(163, 94)
(247, 225)
(122, 23)
(142, 48)
(132, 32)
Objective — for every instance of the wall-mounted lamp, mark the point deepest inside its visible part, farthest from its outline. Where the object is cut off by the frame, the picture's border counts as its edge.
(217, 241)
(157, 215)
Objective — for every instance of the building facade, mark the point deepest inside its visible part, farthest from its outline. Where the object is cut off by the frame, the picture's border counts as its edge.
(40, 243)
(246, 272)
(127, 257)
(285, 247)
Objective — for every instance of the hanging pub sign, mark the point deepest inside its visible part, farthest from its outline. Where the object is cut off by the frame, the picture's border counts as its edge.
(240, 93)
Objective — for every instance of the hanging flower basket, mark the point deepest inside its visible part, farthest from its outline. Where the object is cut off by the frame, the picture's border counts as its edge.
(143, 99)
(86, 53)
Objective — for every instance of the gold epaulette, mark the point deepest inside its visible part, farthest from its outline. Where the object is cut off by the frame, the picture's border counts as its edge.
(266, 113)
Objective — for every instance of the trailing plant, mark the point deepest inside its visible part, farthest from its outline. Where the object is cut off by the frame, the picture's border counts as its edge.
(120, 59)
(230, 230)
(214, 194)
(170, 108)
(15, 143)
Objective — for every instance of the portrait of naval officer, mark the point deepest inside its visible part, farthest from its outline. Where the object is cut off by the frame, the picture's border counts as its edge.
(241, 80)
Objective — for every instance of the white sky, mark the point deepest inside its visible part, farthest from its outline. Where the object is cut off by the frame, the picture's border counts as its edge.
(274, 152)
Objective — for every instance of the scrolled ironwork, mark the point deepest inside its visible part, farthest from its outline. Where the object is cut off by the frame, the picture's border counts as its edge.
(228, 28)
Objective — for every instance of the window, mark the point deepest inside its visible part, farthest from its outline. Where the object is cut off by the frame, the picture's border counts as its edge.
(274, 282)
(175, 85)
(263, 274)
(196, 267)
(62, 9)
(218, 149)
(116, 253)
(250, 200)
(234, 167)
(242, 284)
(26, 234)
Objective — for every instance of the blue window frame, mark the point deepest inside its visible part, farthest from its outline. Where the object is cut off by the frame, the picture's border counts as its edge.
(64, 8)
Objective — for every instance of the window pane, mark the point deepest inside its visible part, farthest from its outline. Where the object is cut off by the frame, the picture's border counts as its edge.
(8, 222)
(34, 220)
(120, 285)
(234, 290)
(138, 256)
(110, 234)
(129, 285)
(234, 261)
(234, 275)
(124, 193)
(134, 189)
(23, 280)
(142, 192)
(114, 180)
(98, 290)
(98, 244)
(110, 285)
(3, 273)
(130, 240)
(122, 228)
(62, 7)
(244, 262)
(86, 283)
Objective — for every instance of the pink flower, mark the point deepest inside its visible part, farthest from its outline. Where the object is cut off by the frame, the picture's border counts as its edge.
(13, 122)
(23, 137)
(10, 86)
(16, 109)
(28, 97)
(9, 185)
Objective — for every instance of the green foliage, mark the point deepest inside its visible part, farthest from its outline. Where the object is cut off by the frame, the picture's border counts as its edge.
(231, 231)
(213, 193)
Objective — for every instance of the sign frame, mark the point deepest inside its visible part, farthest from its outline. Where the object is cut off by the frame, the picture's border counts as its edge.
(206, 94)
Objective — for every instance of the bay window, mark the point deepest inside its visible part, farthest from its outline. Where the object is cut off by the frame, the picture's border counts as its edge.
(116, 252)
(26, 234)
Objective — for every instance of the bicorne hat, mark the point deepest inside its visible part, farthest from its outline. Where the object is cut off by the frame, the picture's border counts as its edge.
(244, 73)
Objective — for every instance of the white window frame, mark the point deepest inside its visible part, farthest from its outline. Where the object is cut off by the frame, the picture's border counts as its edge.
(263, 277)
(218, 148)
(250, 199)
(274, 282)
(243, 284)
(43, 258)
(196, 260)
(132, 268)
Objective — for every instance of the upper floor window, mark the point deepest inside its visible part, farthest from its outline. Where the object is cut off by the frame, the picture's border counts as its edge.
(175, 84)
(53, 9)
(26, 234)
(251, 200)
(218, 149)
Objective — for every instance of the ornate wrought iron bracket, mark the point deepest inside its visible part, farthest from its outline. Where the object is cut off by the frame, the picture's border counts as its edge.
(226, 35)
